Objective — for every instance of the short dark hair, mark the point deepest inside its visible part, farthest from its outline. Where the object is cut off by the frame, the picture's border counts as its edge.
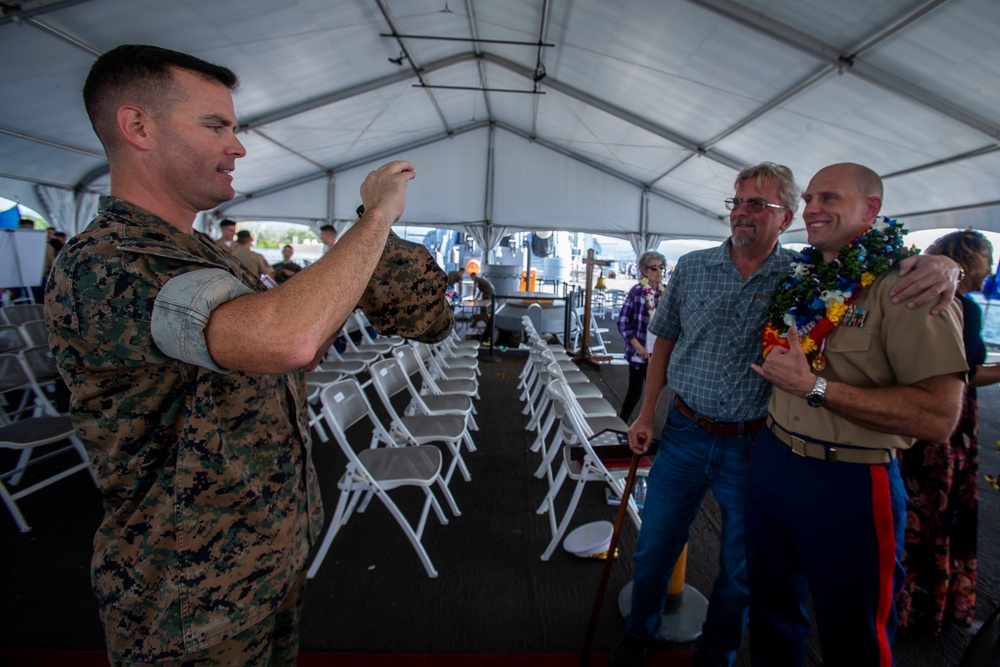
(328, 228)
(288, 246)
(243, 235)
(227, 223)
(139, 74)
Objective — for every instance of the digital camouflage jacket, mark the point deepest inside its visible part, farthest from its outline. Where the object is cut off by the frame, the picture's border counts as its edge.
(211, 499)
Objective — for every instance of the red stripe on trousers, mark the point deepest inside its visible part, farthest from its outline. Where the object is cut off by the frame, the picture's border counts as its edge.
(886, 537)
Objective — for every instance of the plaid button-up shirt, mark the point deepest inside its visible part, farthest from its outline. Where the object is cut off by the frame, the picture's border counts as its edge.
(717, 319)
(633, 321)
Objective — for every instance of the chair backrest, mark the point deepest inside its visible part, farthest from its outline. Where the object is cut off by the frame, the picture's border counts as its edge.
(560, 392)
(535, 315)
(344, 405)
(40, 363)
(11, 338)
(408, 361)
(20, 313)
(411, 357)
(34, 332)
(388, 378)
(12, 373)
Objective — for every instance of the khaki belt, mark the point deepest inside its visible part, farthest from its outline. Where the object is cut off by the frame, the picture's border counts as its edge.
(719, 428)
(815, 450)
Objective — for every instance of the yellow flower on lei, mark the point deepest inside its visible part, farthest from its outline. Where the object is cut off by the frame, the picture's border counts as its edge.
(808, 344)
(835, 311)
(867, 279)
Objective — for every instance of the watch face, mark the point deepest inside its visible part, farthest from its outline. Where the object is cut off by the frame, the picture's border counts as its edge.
(815, 399)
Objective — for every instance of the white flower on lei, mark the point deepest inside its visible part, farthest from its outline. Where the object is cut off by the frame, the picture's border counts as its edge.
(880, 225)
(799, 269)
(833, 296)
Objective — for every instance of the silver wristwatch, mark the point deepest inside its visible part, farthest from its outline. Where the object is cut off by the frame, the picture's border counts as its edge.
(817, 397)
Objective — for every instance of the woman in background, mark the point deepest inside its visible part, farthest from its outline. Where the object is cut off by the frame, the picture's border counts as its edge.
(633, 323)
(942, 479)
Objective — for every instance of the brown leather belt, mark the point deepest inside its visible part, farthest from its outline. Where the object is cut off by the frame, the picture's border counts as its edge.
(718, 428)
(815, 450)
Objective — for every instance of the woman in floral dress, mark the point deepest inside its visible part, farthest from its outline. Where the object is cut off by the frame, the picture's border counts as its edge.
(942, 478)
(633, 323)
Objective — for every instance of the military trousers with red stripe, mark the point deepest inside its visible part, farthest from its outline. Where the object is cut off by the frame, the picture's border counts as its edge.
(832, 531)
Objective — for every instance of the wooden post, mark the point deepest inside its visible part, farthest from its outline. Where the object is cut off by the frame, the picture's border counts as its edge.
(583, 354)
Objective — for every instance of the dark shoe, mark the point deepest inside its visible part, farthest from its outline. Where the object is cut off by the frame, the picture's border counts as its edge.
(629, 652)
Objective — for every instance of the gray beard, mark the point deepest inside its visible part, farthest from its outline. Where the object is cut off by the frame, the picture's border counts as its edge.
(743, 236)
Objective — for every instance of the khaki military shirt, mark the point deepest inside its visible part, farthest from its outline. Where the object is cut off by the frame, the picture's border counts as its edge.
(254, 261)
(210, 495)
(895, 347)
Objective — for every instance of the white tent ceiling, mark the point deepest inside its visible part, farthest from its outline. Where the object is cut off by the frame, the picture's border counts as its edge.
(646, 110)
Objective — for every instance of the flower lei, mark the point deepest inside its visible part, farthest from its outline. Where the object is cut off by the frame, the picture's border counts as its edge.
(647, 291)
(816, 294)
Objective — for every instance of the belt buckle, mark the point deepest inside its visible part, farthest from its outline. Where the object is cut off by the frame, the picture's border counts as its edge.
(705, 423)
(798, 445)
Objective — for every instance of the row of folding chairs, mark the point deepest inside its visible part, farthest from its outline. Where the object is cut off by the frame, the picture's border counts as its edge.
(427, 394)
(18, 314)
(28, 416)
(568, 414)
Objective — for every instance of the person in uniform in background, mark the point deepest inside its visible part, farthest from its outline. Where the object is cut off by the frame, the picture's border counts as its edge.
(286, 268)
(228, 229)
(254, 261)
(455, 277)
(328, 235)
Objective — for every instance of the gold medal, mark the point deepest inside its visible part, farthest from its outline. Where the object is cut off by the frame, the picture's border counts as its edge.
(819, 362)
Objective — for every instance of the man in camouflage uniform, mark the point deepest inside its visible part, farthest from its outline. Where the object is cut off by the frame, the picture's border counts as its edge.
(185, 375)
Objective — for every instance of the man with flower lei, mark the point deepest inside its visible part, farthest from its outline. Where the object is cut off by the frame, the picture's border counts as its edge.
(855, 379)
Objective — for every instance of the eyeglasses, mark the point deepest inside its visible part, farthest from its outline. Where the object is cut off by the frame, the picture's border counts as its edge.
(655, 267)
(755, 205)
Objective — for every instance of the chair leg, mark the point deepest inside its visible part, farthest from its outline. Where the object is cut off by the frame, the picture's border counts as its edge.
(450, 499)
(412, 535)
(332, 529)
(15, 511)
(568, 514)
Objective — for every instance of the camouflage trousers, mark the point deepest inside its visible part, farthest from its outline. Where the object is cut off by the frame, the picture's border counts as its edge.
(272, 642)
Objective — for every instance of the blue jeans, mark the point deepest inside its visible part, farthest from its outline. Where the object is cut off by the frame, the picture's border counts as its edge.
(690, 462)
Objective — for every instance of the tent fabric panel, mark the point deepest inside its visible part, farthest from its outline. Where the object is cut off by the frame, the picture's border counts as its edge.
(302, 203)
(670, 219)
(534, 184)
(450, 186)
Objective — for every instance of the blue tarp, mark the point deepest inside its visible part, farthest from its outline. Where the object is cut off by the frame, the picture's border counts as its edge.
(10, 218)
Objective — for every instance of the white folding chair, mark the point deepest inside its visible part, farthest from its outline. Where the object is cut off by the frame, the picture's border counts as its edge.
(452, 430)
(12, 339)
(353, 327)
(588, 469)
(18, 314)
(368, 333)
(437, 379)
(428, 398)
(376, 471)
(597, 344)
(34, 332)
(26, 434)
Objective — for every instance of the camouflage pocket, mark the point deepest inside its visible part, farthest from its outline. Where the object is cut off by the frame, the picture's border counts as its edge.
(406, 294)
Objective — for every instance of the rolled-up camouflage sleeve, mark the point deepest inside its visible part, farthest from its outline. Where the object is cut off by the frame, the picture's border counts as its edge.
(181, 311)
